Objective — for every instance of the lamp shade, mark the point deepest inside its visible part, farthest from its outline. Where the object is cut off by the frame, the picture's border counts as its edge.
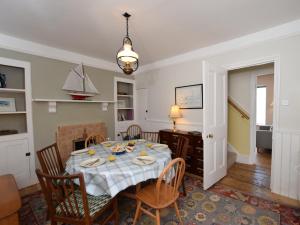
(175, 112)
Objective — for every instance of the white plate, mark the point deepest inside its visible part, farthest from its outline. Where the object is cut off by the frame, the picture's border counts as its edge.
(108, 142)
(143, 160)
(92, 162)
(79, 152)
(159, 146)
(141, 140)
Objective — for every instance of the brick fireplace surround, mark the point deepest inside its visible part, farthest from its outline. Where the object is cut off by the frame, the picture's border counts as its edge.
(67, 133)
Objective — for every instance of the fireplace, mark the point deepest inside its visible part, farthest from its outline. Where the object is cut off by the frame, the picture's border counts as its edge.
(72, 137)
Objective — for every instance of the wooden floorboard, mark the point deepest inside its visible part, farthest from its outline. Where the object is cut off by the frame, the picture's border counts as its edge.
(255, 179)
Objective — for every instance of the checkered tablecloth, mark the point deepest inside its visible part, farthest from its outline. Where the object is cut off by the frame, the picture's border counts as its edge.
(113, 177)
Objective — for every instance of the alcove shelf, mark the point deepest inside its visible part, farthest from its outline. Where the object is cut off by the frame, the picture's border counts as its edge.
(52, 102)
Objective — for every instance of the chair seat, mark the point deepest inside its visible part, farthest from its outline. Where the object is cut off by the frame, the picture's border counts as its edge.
(96, 203)
(166, 198)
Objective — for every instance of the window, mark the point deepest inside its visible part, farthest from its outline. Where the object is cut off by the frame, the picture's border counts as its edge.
(261, 105)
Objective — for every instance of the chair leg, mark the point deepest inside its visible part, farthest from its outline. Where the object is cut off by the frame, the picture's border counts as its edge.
(183, 187)
(157, 217)
(137, 212)
(177, 213)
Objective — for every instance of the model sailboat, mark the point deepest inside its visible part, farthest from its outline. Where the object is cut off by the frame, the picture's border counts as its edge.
(79, 85)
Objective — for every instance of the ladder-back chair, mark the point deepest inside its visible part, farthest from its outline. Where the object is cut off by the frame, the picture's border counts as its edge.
(69, 203)
(163, 193)
(50, 160)
(94, 139)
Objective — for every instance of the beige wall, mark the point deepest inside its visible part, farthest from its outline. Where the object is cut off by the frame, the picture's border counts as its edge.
(48, 77)
(268, 82)
(190, 72)
(239, 83)
(286, 154)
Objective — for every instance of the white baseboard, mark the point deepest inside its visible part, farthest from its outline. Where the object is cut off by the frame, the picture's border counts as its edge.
(240, 157)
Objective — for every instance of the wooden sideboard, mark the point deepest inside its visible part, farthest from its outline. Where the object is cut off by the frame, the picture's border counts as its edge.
(194, 160)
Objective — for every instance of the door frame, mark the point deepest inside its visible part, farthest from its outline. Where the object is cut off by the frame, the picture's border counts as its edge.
(276, 106)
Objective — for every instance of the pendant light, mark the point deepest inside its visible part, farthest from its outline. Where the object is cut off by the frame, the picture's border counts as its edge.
(127, 58)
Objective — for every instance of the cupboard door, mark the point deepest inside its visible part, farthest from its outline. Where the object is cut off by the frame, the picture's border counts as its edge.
(13, 160)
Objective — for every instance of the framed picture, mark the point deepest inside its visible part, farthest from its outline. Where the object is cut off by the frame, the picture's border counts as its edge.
(189, 97)
(7, 105)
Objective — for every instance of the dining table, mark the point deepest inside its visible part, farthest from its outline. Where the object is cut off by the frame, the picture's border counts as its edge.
(112, 177)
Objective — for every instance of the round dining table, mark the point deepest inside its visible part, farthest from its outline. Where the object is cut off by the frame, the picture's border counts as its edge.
(113, 177)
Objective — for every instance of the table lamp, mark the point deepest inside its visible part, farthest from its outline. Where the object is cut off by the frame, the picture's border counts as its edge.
(174, 114)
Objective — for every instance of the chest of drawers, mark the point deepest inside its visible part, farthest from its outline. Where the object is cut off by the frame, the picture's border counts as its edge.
(194, 160)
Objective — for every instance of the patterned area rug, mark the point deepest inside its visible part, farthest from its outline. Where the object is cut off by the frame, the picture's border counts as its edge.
(219, 205)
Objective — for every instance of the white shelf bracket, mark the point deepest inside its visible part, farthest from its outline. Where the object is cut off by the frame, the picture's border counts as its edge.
(52, 107)
(104, 106)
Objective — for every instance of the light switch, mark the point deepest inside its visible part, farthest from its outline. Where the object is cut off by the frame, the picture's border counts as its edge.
(285, 102)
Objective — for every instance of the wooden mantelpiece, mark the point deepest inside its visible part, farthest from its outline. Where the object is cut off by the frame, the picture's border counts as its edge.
(194, 161)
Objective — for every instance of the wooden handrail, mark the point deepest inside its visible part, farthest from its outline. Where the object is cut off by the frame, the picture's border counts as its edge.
(239, 109)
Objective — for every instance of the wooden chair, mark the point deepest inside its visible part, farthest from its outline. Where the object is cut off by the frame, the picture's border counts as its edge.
(68, 204)
(133, 132)
(150, 136)
(50, 160)
(94, 139)
(181, 152)
(163, 193)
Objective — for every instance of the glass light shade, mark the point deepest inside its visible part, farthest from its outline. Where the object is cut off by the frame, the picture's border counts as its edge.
(127, 59)
(127, 55)
(175, 112)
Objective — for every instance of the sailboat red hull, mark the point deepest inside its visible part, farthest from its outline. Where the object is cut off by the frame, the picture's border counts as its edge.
(78, 97)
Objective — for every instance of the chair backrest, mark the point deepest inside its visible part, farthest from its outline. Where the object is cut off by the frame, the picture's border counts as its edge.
(150, 136)
(171, 175)
(64, 198)
(182, 147)
(94, 139)
(50, 160)
(134, 130)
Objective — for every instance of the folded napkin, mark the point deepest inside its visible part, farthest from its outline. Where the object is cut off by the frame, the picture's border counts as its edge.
(93, 162)
(156, 146)
(79, 152)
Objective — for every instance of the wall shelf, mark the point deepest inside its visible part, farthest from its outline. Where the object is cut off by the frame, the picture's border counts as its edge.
(12, 90)
(124, 108)
(52, 103)
(126, 96)
(17, 112)
(71, 101)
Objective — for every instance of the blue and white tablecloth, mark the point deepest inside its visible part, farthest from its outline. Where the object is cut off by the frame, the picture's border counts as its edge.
(113, 177)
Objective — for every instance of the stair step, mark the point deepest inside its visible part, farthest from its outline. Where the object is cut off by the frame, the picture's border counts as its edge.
(231, 159)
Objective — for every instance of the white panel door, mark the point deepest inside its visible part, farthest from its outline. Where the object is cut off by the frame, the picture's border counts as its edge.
(13, 160)
(214, 123)
(142, 104)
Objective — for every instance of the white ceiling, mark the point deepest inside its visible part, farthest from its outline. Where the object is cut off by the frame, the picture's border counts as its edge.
(159, 28)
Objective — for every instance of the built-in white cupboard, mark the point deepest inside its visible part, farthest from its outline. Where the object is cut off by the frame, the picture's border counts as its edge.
(16, 135)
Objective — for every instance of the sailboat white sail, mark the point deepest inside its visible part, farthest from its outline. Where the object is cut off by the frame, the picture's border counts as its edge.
(79, 84)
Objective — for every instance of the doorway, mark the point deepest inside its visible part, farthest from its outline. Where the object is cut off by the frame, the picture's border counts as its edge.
(250, 125)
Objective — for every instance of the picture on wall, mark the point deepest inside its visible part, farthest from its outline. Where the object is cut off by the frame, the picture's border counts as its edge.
(7, 105)
(189, 97)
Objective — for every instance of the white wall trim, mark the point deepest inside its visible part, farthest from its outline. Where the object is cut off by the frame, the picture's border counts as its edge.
(286, 156)
(29, 47)
(240, 157)
(277, 32)
(196, 124)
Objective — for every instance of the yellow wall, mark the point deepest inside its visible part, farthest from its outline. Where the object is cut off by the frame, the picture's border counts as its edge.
(238, 131)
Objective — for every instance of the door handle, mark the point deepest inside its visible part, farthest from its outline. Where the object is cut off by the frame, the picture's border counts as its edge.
(209, 136)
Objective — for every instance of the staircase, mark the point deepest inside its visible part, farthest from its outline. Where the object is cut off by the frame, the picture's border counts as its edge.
(231, 158)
